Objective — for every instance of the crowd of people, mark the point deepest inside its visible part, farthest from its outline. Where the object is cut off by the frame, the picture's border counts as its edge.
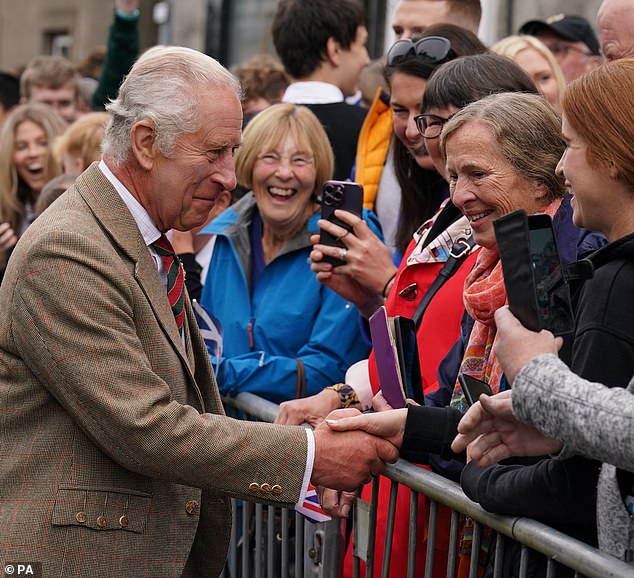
(161, 246)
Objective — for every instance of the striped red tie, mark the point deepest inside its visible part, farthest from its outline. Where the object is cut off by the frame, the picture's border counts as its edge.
(175, 278)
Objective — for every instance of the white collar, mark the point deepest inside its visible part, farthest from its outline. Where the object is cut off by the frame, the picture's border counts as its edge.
(312, 92)
(143, 220)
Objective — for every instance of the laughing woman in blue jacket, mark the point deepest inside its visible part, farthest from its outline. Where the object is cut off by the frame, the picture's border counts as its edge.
(285, 334)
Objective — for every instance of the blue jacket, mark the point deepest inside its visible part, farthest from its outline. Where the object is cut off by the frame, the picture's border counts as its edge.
(290, 315)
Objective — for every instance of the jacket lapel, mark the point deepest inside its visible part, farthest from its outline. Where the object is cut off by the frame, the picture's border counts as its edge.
(113, 214)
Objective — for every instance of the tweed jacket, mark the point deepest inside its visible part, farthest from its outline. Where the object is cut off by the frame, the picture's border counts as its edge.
(115, 456)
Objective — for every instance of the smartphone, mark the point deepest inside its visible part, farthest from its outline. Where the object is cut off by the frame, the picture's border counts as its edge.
(408, 360)
(538, 293)
(473, 388)
(554, 306)
(344, 195)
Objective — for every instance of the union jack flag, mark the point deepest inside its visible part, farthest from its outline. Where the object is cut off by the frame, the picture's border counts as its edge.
(210, 329)
(310, 509)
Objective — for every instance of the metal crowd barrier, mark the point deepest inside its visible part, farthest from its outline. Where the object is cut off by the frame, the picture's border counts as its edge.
(278, 543)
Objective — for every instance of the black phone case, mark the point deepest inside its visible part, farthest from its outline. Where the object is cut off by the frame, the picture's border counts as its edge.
(472, 393)
(408, 360)
(511, 232)
(345, 195)
(513, 241)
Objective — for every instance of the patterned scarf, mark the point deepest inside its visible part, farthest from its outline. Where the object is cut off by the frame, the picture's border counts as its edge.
(484, 294)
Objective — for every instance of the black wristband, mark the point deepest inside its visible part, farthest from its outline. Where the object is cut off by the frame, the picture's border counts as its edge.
(387, 284)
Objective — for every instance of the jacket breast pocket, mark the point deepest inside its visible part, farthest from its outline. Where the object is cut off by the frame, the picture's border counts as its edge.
(102, 509)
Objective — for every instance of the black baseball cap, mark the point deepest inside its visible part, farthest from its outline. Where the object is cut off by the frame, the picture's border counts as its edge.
(569, 27)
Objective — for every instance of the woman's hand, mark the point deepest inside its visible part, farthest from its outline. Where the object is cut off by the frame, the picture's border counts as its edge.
(368, 262)
(389, 425)
(8, 238)
(515, 345)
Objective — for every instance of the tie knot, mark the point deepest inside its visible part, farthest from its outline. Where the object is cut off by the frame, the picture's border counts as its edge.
(163, 247)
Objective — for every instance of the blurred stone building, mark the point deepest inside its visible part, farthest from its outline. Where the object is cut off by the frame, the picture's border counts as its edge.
(230, 30)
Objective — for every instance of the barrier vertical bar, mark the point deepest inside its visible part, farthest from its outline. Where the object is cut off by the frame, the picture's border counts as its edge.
(299, 545)
(413, 529)
(257, 558)
(369, 563)
(246, 547)
(285, 540)
(270, 537)
(431, 538)
(475, 549)
(524, 562)
(499, 556)
(389, 530)
(453, 544)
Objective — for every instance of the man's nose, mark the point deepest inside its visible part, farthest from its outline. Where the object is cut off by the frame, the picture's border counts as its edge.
(226, 174)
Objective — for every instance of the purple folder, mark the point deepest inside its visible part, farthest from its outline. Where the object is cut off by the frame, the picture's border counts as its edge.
(386, 359)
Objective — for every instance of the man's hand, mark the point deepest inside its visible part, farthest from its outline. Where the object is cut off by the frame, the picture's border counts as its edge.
(310, 410)
(385, 424)
(334, 503)
(491, 433)
(345, 461)
(515, 345)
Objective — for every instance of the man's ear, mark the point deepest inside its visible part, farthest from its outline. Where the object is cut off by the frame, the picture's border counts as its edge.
(143, 143)
(333, 51)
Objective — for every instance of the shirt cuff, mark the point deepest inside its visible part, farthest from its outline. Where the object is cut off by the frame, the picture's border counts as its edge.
(310, 459)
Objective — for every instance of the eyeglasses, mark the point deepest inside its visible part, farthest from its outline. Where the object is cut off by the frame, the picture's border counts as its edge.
(430, 125)
(434, 49)
(296, 161)
(562, 50)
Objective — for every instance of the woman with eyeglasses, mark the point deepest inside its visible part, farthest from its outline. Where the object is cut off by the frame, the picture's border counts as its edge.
(285, 335)
(453, 86)
(399, 182)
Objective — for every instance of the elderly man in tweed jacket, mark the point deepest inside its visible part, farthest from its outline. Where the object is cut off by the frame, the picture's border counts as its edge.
(115, 456)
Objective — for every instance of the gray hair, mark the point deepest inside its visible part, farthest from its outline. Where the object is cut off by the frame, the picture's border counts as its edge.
(163, 87)
(529, 132)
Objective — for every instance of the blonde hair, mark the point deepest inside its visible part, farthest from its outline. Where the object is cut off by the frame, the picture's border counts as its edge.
(271, 126)
(11, 205)
(83, 138)
(512, 45)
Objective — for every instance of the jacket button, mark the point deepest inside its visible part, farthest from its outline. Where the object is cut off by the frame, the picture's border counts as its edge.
(265, 488)
(276, 490)
(123, 521)
(102, 522)
(191, 507)
(81, 517)
(254, 487)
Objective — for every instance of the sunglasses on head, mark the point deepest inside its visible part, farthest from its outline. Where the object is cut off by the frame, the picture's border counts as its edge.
(434, 49)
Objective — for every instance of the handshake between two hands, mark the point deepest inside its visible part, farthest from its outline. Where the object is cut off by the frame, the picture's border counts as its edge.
(350, 447)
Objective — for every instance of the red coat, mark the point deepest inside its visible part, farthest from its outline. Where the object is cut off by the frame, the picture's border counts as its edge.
(438, 331)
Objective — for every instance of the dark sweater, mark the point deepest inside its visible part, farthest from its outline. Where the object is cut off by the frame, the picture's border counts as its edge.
(342, 123)
(559, 492)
